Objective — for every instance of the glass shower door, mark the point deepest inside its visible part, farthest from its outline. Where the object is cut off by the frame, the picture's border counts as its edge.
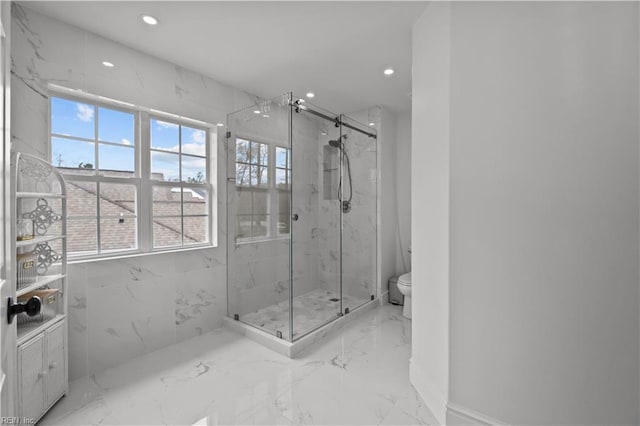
(316, 219)
(258, 216)
(359, 218)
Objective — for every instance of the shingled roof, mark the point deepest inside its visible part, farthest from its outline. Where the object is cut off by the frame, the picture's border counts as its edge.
(118, 211)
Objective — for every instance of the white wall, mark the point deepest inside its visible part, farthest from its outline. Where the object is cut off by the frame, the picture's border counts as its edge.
(403, 191)
(429, 370)
(388, 210)
(119, 309)
(543, 120)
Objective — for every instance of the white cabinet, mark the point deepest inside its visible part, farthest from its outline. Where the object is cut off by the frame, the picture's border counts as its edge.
(54, 363)
(31, 379)
(40, 247)
(42, 371)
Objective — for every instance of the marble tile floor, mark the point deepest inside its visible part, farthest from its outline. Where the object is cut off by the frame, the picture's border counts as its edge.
(310, 311)
(358, 376)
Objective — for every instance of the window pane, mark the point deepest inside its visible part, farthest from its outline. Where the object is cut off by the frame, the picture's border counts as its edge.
(164, 135)
(242, 151)
(117, 200)
(264, 154)
(118, 233)
(242, 174)
(281, 178)
(260, 202)
(281, 157)
(195, 230)
(82, 236)
(165, 166)
(253, 175)
(260, 226)
(194, 169)
(243, 226)
(253, 154)
(82, 199)
(194, 141)
(194, 201)
(245, 202)
(167, 231)
(73, 154)
(166, 201)
(115, 126)
(263, 176)
(119, 158)
(284, 212)
(72, 118)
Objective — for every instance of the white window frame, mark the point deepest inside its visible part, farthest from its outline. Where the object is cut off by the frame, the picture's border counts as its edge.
(142, 179)
(271, 190)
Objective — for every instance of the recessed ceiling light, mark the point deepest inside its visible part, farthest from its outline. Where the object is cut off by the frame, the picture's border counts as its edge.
(220, 125)
(310, 94)
(388, 71)
(256, 111)
(372, 124)
(108, 64)
(150, 20)
(265, 115)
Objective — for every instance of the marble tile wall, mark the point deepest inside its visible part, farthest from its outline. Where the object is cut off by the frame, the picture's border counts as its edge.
(119, 309)
(359, 226)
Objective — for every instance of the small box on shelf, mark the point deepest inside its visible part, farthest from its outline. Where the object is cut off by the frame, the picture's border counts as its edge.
(26, 269)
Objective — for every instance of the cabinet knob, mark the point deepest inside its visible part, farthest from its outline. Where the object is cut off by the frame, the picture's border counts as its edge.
(42, 374)
(53, 365)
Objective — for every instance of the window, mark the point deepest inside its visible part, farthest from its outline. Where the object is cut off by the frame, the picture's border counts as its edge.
(135, 182)
(263, 179)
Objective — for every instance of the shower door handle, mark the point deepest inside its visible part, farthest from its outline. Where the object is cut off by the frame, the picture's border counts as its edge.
(294, 217)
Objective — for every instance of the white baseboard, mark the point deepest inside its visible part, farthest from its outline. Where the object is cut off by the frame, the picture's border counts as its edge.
(434, 402)
(459, 415)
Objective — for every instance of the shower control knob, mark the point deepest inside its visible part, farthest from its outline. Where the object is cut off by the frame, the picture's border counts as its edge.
(294, 217)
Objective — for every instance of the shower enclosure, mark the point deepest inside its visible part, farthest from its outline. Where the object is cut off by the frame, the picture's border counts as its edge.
(301, 216)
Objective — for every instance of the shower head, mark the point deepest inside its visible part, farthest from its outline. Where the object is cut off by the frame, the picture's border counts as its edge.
(337, 142)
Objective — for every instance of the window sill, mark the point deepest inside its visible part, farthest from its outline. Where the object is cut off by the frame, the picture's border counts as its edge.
(262, 240)
(136, 254)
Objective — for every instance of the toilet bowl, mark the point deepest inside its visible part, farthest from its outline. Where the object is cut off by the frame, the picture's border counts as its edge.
(404, 285)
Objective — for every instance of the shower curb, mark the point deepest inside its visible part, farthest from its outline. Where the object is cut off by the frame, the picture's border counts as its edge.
(295, 349)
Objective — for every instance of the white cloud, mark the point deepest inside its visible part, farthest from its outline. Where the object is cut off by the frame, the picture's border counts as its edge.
(194, 149)
(198, 136)
(84, 112)
(164, 125)
(126, 141)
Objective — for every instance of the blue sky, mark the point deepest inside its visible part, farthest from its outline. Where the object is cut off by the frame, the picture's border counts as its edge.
(77, 120)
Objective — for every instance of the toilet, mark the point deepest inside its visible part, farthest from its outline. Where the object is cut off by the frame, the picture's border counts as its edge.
(404, 285)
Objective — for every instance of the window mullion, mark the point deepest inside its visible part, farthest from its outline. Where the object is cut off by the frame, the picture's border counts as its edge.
(96, 159)
(145, 195)
(273, 202)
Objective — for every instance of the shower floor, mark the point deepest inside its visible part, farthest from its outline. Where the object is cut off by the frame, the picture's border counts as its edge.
(310, 310)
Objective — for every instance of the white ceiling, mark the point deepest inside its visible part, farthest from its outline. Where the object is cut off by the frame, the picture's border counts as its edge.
(336, 49)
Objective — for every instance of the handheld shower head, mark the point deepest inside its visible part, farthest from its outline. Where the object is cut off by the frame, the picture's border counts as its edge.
(336, 143)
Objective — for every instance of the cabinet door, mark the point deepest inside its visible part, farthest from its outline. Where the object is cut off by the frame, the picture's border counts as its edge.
(32, 377)
(55, 365)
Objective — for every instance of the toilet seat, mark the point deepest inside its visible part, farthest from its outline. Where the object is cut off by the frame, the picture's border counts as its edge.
(405, 279)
